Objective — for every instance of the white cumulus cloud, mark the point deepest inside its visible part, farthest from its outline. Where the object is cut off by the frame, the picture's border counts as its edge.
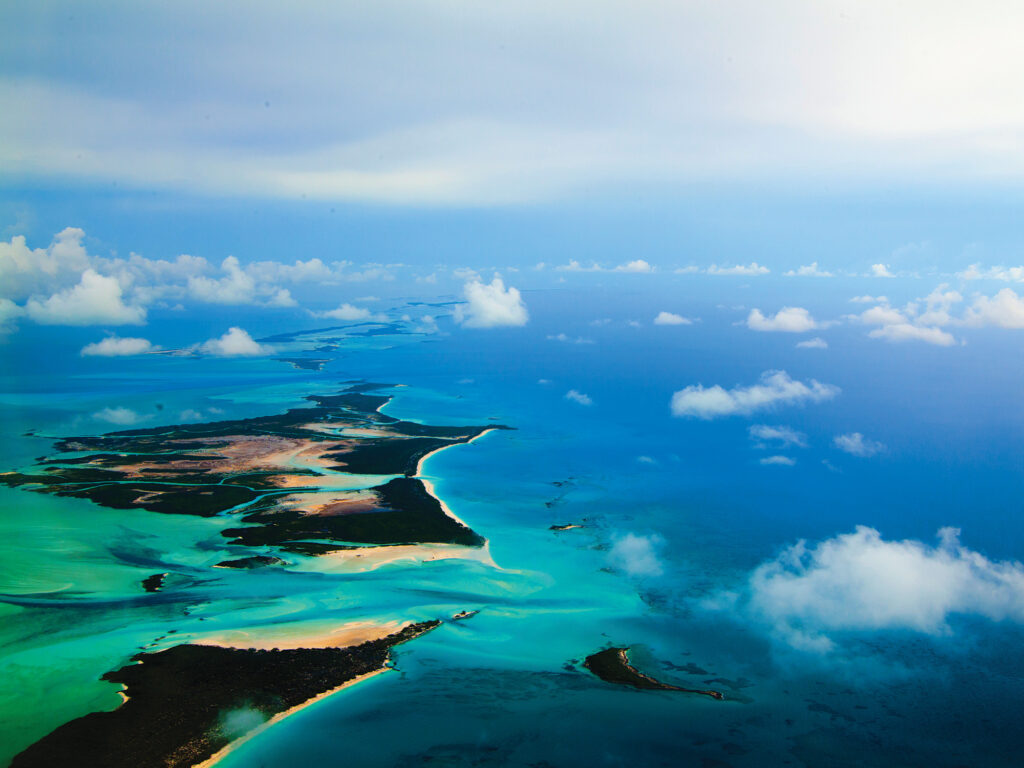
(860, 581)
(637, 265)
(345, 312)
(881, 270)
(491, 306)
(787, 320)
(1005, 310)
(235, 343)
(775, 388)
(116, 346)
(670, 318)
(96, 300)
(236, 287)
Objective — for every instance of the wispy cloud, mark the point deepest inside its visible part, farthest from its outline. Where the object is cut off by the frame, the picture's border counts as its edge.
(578, 397)
(780, 436)
(856, 444)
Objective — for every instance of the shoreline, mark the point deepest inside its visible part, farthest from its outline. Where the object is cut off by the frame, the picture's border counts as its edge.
(428, 483)
(370, 558)
(225, 751)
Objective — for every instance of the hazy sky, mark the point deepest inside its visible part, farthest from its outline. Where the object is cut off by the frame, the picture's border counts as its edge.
(463, 103)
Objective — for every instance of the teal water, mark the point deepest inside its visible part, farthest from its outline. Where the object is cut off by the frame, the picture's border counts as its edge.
(506, 687)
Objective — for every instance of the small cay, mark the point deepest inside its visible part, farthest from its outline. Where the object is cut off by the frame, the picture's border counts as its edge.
(612, 665)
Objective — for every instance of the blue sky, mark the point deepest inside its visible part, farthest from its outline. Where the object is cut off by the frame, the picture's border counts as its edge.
(317, 155)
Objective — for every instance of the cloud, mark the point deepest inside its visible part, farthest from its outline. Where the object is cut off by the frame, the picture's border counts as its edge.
(782, 436)
(345, 312)
(116, 346)
(636, 555)
(96, 300)
(312, 271)
(866, 299)
(575, 266)
(466, 274)
(120, 415)
(861, 582)
(856, 444)
(907, 332)
(881, 270)
(638, 265)
(568, 339)
(1005, 274)
(638, 117)
(491, 306)
(26, 271)
(9, 313)
(578, 397)
(787, 319)
(778, 461)
(750, 269)
(282, 297)
(235, 343)
(670, 318)
(775, 388)
(236, 287)
(911, 323)
(816, 343)
(809, 270)
(1004, 310)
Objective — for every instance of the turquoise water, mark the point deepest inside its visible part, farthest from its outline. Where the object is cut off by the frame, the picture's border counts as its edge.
(506, 687)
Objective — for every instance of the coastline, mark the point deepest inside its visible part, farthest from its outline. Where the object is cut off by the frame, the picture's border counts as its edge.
(225, 751)
(429, 485)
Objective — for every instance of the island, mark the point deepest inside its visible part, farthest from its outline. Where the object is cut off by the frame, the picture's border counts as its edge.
(612, 665)
(184, 706)
(286, 479)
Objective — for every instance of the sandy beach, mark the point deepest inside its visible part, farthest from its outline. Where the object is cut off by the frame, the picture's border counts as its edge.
(370, 558)
(220, 755)
(288, 637)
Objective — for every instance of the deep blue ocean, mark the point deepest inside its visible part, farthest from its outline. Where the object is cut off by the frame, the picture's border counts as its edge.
(506, 688)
